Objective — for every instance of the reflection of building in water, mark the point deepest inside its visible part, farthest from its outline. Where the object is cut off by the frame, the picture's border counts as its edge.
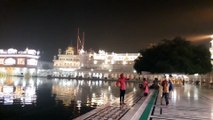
(17, 91)
(21, 63)
(65, 91)
(77, 62)
(80, 91)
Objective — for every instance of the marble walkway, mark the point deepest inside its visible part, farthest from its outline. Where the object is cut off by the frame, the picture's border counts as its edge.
(187, 102)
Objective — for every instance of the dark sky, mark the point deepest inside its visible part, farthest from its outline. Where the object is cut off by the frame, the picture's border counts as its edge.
(112, 25)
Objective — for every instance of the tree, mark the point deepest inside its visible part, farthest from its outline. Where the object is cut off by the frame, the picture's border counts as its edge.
(174, 56)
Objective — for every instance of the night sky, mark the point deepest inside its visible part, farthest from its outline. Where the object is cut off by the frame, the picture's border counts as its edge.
(112, 25)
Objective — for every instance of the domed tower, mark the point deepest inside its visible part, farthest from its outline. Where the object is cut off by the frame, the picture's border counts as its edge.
(70, 50)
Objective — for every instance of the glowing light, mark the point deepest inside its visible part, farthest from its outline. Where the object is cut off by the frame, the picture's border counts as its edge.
(32, 62)
(82, 51)
(31, 51)
(8, 89)
(12, 51)
(10, 61)
(196, 74)
(95, 62)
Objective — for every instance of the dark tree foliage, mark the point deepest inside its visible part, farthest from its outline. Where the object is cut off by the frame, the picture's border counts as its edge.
(174, 56)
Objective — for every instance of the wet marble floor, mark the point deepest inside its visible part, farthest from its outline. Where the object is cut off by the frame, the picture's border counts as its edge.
(113, 111)
(186, 102)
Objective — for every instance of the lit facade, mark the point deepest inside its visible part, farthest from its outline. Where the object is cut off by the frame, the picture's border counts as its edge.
(92, 64)
(74, 63)
(211, 51)
(91, 60)
(68, 61)
(20, 63)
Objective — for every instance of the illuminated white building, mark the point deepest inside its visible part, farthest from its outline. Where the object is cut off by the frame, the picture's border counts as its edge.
(211, 50)
(93, 64)
(111, 61)
(101, 60)
(20, 63)
(68, 61)
(77, 62)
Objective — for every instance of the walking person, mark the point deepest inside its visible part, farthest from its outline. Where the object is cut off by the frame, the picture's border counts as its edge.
(165, 90)
(183, 81)
(121, 82)
(170, 87)
(146, 87)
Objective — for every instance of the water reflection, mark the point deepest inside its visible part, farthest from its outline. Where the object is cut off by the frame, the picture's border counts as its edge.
(17, 91)
(92, 93)
(54, 99)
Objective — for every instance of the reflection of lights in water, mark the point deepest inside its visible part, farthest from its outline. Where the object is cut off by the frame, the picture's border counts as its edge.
(93, 95)
(2, 81)
(96, 83)
(65, 93)
(78, 103)
(93, 83)
(23, 83)
(82, 82)
(88, 101)
(16, 82)
(174, 95)
(188, 94)
(111, 100)
(10, 93)
(110, 97)
(38, 82)
(31, 82)
(100, 82)
(89, 83)
(8, 99)
(212, 113)
(196, 94)
(30, 91)
(134, 89)
(8, 89)
(64, 83)
(109, 88)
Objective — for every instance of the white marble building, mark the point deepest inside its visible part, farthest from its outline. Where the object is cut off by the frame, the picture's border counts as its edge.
(18, 63)
(91, 64)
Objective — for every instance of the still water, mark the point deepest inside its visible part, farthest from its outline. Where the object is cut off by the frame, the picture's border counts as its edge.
(54, 99)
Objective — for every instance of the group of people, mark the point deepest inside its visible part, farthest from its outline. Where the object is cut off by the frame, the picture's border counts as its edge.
(166, 85)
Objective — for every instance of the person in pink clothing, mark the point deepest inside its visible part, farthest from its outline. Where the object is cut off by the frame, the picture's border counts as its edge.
(146, 87)
(121, 82)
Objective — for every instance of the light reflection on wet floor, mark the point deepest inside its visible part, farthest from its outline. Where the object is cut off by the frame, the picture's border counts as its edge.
(186, 102)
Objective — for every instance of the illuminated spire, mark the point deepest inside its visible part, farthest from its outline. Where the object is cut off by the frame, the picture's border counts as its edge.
(83, 40)
(78, 42)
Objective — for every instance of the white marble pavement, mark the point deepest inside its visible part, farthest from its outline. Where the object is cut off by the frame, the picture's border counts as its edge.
(187, 102)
